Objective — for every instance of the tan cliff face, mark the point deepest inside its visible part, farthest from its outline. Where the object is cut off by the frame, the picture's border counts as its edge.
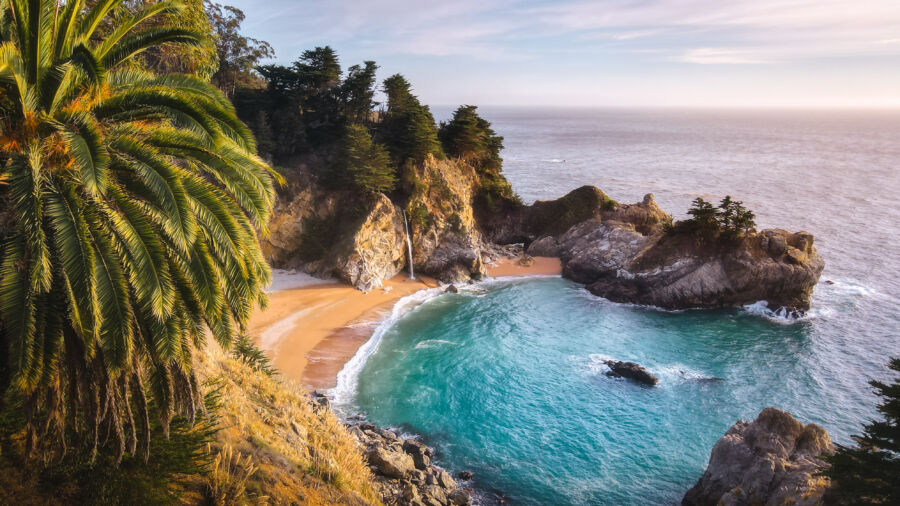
(361, 239)
(446, 239)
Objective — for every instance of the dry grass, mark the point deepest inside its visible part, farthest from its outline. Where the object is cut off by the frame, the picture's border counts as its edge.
(300, 456)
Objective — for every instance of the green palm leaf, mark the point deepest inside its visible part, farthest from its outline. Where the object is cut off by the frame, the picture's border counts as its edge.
(137, 200)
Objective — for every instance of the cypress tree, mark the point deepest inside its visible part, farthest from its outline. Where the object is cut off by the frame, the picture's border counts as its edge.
(869, 473)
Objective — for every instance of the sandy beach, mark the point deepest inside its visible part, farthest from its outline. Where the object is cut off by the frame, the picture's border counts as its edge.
(312, 327)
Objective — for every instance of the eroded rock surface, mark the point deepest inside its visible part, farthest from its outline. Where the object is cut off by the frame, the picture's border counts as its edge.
(404, 470)
(627, 253)
(770, 461)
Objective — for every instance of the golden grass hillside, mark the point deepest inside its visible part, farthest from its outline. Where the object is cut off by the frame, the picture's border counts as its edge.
(293, 451)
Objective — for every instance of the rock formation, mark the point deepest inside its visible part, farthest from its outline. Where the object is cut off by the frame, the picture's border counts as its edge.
(625, 253)
(770, 461)
(447, 242)
(629, 253)
(631, 371)
(404, 470)
(361, 239)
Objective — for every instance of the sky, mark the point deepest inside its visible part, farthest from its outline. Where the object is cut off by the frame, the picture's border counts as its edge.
(602, 53)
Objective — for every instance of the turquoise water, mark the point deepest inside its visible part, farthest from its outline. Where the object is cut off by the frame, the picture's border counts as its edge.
(507, 380)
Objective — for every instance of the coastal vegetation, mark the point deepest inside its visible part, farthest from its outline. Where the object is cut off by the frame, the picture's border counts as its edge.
(867, 473)
(131, 204)
(729, 221)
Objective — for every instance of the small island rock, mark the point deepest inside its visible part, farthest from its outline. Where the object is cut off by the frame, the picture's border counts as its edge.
(631, 371)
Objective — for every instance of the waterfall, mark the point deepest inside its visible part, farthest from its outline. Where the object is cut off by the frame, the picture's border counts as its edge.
(412, 274)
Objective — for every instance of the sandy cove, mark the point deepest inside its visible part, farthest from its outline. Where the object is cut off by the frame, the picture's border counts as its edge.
(312, 327)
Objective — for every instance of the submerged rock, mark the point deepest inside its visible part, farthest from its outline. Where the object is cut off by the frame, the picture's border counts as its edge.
(773, 460)
(631, 371)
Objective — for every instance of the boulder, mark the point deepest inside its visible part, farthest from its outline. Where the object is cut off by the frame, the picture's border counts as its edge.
(631, 371)
(390, 464)
(420, 453)
(771, 461)
(546, 246)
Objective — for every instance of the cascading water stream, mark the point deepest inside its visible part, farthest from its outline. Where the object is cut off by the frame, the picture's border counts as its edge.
(412, 274)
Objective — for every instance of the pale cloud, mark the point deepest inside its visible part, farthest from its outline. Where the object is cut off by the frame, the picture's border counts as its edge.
(712, 56)
(484, 29)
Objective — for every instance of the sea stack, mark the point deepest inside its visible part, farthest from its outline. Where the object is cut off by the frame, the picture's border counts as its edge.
(773, 460)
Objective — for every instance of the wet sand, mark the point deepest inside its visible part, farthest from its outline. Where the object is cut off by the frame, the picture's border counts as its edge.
(311, 331)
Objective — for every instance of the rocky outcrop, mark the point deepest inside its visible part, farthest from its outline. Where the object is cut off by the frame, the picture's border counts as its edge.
(630, 370)
(631, 253)
(770, 461)
(361, 240)
(375, 249)
(405, 472)
(317, 231)
(447, 242)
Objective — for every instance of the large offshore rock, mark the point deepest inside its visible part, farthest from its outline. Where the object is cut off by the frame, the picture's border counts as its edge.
(675, 273)
(629, 253)
(770, 461)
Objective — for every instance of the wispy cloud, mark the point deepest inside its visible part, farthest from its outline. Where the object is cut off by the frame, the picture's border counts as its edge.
(490, 29)
(712, 56)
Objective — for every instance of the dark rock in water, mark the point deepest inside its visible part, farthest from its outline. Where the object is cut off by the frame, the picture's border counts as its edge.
(773, 460)
(632, 371)
(452, 289)
(465, 475)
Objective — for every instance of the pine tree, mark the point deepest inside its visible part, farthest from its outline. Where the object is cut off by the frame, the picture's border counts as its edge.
(358, 90)
(869, 473)
(704, 216)
(364, 164)
(408, 128)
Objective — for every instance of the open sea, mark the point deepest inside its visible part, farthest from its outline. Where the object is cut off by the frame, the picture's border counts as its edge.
(506, 378)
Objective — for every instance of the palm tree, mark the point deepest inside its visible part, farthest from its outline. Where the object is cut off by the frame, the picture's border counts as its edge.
(128, 223)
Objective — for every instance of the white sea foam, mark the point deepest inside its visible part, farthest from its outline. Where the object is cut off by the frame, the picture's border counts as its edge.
(348, 377)
(780, 315)
(667, 374)
(433, 343)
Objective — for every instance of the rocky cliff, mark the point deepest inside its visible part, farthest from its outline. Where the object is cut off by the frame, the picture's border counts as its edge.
(623, 252)
(361, 239)
(631, 253)
(770, 461)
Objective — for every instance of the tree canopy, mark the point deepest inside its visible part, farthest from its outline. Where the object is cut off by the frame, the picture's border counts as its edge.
(237, 54)
(729, 221)
(364, 164)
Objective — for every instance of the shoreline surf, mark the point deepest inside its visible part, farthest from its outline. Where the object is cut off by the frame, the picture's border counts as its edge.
(313, 327)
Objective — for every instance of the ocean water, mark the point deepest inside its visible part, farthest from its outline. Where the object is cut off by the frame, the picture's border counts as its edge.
(506, 378)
